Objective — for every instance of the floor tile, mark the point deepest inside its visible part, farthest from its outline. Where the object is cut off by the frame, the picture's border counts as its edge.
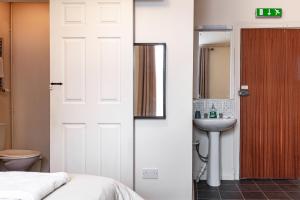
(277, 195)
(290, 187)
(285, 182)
(232, 188)
(251, 187)
(294, 195)
(278, 189)
(205, 187)
(264, 181)
(245, 181)
(266, 187)
(228, 182)
(201, 182)
(254, 195)
(208, 195)
(296, 182)
(231, 195)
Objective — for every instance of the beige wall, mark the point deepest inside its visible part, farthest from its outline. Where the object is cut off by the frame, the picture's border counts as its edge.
(5, 106)
(30, 78)
(219, 73)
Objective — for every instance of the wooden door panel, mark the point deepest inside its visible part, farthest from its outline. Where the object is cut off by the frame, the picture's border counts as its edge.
(249, 146)
(266, 144)
(293, 92)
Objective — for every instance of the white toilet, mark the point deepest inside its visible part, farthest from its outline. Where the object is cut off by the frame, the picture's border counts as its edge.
(13, 159)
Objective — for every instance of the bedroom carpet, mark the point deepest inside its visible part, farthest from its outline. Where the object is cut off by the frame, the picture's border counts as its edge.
(249, 189)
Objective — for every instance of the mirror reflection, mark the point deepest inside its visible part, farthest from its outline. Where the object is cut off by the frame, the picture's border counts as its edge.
(213, 65)
(149, 80)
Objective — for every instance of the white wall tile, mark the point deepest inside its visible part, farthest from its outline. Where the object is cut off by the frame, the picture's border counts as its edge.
(225, 106)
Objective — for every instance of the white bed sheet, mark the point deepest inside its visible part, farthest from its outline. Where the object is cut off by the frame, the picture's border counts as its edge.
(88, 187)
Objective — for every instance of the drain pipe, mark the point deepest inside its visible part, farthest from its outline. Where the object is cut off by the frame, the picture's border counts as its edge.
(204, 159)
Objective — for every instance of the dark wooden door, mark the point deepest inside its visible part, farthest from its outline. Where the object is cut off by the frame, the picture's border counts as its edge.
(270, 66)
(293, 90)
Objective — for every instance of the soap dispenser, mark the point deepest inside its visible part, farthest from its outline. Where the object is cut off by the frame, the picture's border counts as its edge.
(213, 112)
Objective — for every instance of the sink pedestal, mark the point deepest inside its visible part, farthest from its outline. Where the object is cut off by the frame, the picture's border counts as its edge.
(214, 127)
(213, 168)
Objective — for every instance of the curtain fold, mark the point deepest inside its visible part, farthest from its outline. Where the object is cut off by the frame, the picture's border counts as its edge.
(201, 71)
(146, 83)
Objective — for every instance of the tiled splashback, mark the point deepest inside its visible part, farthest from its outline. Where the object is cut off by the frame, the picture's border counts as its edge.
(225, 106)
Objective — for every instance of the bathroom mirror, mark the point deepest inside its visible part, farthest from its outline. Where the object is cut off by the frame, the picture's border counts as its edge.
(213, 65)
(149, 80)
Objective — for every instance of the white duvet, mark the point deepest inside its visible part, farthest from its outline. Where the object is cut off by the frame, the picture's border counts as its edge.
(60, 186)
(88, 187)
(29, 185)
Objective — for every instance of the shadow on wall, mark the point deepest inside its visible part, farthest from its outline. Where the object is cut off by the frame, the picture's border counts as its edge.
(30, 78)
(5, 97)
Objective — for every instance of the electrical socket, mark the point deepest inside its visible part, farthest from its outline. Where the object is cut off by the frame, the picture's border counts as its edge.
(150, 173)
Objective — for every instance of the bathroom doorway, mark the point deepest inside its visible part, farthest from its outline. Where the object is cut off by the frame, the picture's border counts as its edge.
(270, 130)
(25, 89)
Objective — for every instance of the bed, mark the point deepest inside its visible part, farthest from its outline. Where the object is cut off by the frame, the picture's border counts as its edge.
(87, 187)
(36, 186)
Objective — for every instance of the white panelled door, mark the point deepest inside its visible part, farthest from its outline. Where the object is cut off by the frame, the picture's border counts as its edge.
(92, 111)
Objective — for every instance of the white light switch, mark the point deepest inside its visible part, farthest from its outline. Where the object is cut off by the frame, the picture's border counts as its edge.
(150, 173)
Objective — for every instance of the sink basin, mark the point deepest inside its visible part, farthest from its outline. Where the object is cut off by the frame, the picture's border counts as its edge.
(214, 125)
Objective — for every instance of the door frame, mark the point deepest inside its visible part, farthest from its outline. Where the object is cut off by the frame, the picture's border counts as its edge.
(237, 80)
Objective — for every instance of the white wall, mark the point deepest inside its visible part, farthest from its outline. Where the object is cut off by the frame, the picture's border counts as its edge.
(167, 144)
(238, 13)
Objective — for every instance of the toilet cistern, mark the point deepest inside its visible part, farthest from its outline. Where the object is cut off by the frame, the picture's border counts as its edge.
(214, 127)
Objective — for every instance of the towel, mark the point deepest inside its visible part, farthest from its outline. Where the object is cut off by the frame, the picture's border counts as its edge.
(1, 68)
(29, 185)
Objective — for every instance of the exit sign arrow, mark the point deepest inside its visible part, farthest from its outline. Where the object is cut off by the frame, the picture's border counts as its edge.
(268, 12)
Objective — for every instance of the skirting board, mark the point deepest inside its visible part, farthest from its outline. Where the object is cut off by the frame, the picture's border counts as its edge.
(224, 177)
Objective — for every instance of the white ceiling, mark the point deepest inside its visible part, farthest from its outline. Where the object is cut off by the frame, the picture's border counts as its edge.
(214, 37)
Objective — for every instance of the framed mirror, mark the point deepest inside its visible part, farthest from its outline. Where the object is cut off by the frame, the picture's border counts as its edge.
(213, 73)
(150, 80)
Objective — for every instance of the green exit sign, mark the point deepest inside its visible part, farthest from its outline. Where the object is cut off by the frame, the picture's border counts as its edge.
(268, 12)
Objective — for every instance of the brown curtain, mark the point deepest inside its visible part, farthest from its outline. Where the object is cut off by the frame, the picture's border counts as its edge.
(146, 88)
(203, 73)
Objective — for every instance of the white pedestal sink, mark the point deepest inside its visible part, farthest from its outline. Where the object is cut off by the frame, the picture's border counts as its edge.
(214, 127)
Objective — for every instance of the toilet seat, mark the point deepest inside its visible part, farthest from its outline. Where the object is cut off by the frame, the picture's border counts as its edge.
(12, 154)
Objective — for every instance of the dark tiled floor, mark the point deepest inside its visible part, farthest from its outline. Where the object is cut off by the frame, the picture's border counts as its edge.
(250, 189)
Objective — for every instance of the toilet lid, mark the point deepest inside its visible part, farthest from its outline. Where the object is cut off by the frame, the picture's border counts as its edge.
(18, 154)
